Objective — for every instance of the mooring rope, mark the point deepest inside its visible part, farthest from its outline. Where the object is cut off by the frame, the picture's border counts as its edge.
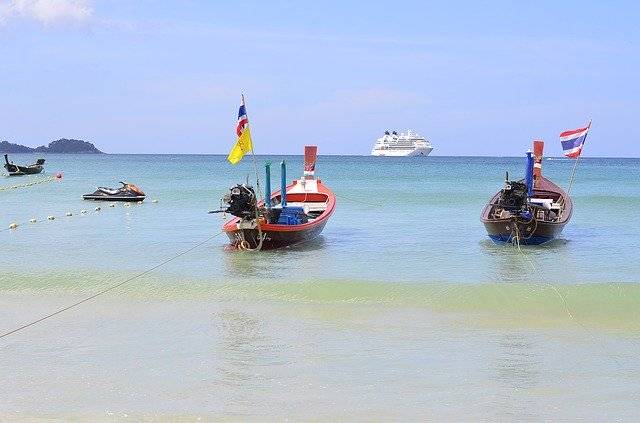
(110, 288)
(535, 269)
(260, 239)
(342, 197)
(562, 298)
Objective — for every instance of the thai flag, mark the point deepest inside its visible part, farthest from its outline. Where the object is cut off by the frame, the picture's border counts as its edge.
(243, 120)
(573, 141)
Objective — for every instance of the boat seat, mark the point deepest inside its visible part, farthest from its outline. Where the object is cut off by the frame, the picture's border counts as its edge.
(109, 191)
(502, 214)
(309, 206)
(543, 202)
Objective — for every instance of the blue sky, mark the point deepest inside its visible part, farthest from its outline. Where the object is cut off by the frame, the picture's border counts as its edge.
(166, 76)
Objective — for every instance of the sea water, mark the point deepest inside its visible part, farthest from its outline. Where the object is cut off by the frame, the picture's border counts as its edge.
(402, 309)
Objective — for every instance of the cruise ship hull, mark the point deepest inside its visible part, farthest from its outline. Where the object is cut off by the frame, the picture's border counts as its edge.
(420, 151)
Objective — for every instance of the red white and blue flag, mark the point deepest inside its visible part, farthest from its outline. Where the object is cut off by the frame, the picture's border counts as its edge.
(243, 144)
(573, 141)
(243, 120)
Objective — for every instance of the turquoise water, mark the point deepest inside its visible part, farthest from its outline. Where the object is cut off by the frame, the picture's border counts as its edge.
(402, 308)
(397, 220)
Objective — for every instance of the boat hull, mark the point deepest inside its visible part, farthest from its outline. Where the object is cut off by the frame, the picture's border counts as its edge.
(95, 197)
(274, 239)
(529, 233)
(15, 170)
(420, 151)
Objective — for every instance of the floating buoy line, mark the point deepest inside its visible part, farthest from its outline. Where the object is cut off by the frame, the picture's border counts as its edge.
(56, 177)
(16, 225)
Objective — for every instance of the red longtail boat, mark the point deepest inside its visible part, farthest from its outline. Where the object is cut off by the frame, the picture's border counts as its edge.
(295, 214)
(531, 211)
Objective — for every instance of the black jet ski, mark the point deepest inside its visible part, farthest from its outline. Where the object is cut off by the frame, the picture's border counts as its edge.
(16, 170)
(128, 192)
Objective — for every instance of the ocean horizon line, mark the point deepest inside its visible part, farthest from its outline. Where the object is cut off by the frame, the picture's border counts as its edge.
(323, 155)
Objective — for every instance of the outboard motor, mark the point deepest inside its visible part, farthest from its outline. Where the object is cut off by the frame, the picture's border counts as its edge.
(241, 201)
(513, 196)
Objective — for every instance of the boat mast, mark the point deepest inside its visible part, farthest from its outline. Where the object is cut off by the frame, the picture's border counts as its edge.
(255, 163)
(538, 148)
(267, 185)
(528, 176)
(283, 184)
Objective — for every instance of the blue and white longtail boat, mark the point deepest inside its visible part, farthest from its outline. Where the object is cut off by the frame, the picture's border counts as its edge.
(531, 211)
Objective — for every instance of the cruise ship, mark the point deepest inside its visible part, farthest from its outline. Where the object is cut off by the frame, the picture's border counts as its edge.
(405, 145)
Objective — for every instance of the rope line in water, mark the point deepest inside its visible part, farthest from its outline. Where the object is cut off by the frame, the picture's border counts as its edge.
(558, 293)
(562, 298)
(110, 288)
(342, 197)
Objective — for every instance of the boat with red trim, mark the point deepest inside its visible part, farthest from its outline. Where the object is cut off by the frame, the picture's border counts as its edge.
(531, 211)
(295, 214)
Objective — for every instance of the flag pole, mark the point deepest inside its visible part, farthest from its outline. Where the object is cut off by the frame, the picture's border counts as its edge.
(255, 168)
(575, 165)
(253, 157)
(573, 174)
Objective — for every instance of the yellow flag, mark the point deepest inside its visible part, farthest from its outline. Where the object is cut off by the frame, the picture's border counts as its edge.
(242, 147)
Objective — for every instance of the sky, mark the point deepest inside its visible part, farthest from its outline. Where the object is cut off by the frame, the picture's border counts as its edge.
(475, 78)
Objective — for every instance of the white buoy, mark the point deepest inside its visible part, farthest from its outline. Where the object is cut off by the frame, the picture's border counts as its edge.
(51, 217)
(14, 225)
(32, 220)
(69, 214)
(98, 208)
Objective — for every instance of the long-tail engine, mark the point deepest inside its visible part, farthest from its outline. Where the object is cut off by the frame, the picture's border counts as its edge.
(513, 196)
(240, 201)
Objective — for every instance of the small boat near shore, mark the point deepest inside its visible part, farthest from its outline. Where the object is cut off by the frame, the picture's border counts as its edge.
(295, 214)
(530, 211)
(127, 192)
(17, 170)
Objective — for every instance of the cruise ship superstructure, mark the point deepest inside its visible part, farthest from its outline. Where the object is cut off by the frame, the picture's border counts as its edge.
(403, 145)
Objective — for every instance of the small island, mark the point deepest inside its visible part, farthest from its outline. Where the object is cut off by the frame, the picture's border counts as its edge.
(61, 146)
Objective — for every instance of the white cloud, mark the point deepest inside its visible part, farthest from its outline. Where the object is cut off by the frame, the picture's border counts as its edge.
(47, 12)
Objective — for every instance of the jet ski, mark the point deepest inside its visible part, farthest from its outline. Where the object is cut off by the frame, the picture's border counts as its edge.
(127, 192)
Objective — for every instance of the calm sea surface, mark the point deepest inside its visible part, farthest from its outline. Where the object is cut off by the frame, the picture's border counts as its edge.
(403, 309)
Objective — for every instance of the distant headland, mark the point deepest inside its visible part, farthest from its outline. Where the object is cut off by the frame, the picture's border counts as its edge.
(61, 146)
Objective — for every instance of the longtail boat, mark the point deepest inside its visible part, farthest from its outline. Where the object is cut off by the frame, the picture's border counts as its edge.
(295, 214)
(530, 211)
(17, 170)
